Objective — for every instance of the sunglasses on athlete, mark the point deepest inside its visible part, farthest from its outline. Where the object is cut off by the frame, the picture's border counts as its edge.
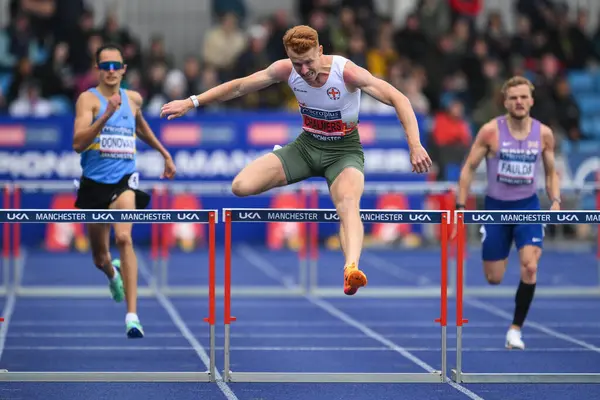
(110, 66)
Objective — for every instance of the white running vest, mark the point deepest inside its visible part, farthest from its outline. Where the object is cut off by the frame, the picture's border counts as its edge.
(329, 112)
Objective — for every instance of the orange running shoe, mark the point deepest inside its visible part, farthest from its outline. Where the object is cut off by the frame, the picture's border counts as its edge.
(354, 278)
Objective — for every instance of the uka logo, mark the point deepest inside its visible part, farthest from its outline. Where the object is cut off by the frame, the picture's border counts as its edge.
(102, 217)
(482, 218)
(567, 218)
(249, 215)
(419, 217)
(187, 217)
(331, 217)
(17, 217)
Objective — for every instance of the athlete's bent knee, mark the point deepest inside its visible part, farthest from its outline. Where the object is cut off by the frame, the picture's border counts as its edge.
(241, 187)
(529, 271)
(347, 204)
(123, 239)
(493, 279)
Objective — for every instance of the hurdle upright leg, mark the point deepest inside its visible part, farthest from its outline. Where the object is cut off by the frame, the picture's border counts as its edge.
(227, 318)
(212, 282)
(6, 250)
(460, 243)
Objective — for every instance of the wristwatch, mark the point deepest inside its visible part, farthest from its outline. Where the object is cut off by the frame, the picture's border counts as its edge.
(459, 206)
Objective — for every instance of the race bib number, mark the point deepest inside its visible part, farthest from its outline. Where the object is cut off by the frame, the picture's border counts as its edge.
(516, 172)
(324, 125)
(117, 146)
(134, 181)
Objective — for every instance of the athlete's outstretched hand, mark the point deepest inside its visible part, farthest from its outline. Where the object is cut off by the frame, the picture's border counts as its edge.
(419, 159)
(176, 108)
(170, 169)
(555, 206)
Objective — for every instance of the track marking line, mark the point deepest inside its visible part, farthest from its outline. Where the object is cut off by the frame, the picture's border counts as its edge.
(534, 325)
(403, 274)
(293, 349)
(293, 324)
(11, 299)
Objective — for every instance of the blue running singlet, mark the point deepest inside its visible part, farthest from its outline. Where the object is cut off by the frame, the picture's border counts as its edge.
(112, 155)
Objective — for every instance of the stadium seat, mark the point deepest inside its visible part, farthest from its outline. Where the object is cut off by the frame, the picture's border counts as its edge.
(586, 124)
(596, 128)
(580, 81)
(589, 104)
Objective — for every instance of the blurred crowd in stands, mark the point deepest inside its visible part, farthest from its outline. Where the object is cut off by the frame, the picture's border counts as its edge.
(438, 57)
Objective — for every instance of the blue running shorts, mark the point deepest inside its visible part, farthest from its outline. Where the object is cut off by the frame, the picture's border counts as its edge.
(497, 239)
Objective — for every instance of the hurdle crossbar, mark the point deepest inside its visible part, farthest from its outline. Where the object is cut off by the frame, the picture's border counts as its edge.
(239, 215)
(464, 218)
(209, 217)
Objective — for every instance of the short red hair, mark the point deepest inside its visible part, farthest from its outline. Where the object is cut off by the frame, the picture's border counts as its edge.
(301, 39)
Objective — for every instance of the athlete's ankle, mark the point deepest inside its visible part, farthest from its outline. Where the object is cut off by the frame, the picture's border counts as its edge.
(131, 317)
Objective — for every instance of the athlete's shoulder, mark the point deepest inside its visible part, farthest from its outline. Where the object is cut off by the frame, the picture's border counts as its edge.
(87, 100)
(545, 130)
(280, 70)
(489, 129)
(134, 96)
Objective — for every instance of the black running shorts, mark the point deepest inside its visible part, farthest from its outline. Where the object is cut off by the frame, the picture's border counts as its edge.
(93, 195)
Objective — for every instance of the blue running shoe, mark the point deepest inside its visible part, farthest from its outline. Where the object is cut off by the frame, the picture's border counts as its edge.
(116, 284)
(134, 330)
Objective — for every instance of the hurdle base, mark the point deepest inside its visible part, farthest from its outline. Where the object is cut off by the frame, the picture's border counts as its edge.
(525, 377)
(316, 377)
(6, 376)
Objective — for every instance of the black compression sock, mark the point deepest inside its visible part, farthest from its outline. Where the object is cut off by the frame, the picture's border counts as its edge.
(523, 300)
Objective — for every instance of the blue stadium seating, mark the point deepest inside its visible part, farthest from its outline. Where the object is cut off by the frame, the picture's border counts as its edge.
(585, 86)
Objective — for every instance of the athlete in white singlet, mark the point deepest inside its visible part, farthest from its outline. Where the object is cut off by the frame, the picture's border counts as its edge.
(328, 91)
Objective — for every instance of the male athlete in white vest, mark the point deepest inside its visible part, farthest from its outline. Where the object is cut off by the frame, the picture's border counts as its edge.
(328, 92)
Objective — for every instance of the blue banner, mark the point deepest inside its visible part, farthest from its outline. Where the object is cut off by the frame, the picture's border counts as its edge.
(367, 216)
(108, 216)
(531, 217)
(211, 147)
(208, 150)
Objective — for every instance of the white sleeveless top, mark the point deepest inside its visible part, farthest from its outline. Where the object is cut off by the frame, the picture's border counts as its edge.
(329, 112)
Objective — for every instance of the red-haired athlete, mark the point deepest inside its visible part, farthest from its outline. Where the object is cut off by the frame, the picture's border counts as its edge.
(328, 92)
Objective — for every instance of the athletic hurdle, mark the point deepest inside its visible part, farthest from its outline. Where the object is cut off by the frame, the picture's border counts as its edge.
(464, 218)
(254, 215)
(31, 216)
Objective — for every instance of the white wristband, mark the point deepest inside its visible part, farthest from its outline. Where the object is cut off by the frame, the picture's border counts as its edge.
(195, 101)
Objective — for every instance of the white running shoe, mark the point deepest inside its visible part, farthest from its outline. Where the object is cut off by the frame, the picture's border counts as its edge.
(513, 340)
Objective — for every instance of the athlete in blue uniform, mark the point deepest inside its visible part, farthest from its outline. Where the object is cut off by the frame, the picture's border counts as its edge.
(514, 146)
(107, 121)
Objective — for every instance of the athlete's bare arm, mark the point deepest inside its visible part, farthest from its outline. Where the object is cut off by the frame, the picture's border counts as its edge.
(144, 132)
(84, 130)
(478, 151)
(276, 72)
(358, 77)
(552, 180)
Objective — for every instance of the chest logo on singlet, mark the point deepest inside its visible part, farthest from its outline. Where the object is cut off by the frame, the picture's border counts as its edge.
(334, 93)
(516, 166)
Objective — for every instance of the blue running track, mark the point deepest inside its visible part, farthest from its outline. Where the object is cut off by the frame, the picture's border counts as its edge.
(296, 333)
